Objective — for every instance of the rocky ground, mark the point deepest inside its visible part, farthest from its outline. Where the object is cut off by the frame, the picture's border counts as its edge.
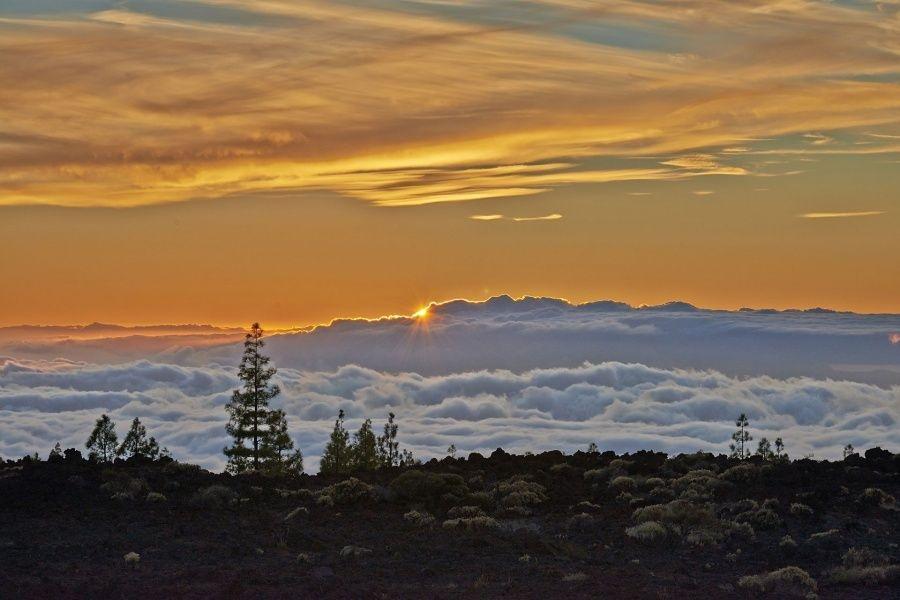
(542, 526)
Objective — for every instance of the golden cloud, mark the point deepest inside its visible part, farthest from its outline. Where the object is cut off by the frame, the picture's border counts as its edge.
(125, 108)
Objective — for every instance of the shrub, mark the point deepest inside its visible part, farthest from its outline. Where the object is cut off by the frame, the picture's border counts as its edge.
(874, 575)
(580, 521)
(702, 537)
(348, 492)
(122, 486)
(574, 577)
(564, 470)
(419, 519)
(465, 512)
(516, 492)
(648, 532)
(132, 559)
(863, 557)
(587, 507)
(623, 483)
(787, 544)
(876, 497)
(471, 523)
(744, 473)
(429, 488)
(483, 500)
(651, 483)
(156, 498)
(214, 496)
(700, 484)
(300, 510)
(350, 552)
(790, 581)
(677, 512)
(801, 510)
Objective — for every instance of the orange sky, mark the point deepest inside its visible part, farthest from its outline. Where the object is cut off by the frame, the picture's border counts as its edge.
(226, 161)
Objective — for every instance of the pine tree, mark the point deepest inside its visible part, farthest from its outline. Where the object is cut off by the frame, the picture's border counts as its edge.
(336, 457)
(388, 448)
(364, 452)
(136, 443)
(740, 437)
(277, 446)
(451, 450)
(849, 451)
(593, 449)
(103, 439)
(248, 409)
(56, 454)
(764, 449)
(780, 454)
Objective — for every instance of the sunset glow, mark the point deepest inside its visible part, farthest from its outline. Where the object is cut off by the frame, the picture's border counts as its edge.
(700, 150)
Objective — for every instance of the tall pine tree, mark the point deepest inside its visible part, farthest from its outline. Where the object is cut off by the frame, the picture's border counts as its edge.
(365, 452)
(249, 416)
(336, 457)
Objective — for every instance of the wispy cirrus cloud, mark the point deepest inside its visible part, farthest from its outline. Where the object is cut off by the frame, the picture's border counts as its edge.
(842, 215)
(404, 107)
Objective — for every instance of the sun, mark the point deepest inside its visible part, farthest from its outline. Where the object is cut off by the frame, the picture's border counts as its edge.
(421, 313)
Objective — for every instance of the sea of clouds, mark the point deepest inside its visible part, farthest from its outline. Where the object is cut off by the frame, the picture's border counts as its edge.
(531, 374)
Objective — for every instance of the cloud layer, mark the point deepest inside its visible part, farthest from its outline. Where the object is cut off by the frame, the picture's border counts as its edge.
(405, 103)
(624, 407)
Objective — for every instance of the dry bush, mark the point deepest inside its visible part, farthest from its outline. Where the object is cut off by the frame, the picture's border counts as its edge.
(465, 512)
(121, 486)
(877, 497)
(745, 473)
(574, 577)
(471, 523)
(789, 581)
(874, 575)
(516, 492)
(351, 552)
(565, 470)
(648, 532)
(419, 519)
(214, 496)
(801, 510)
(156, 498)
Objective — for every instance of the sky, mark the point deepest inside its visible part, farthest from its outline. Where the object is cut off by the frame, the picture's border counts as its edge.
(289, 161)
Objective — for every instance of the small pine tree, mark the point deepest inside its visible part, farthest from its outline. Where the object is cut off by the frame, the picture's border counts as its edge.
(248, 409)
(849, 451)
(103, 440)
(364, 452)
(57, 451)
(764, 449)
(336, 458)
(388, 448)
(277, 447)
(137, 443)
(451, 451)
(780, 455)
(593, 448)
(740, 438)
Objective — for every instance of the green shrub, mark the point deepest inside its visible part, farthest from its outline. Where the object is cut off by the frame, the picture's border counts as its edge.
(789, 581)
(874, 575)
(156, 498)
(429, 488)
(623, 483)
(744, 473)
(348, 492)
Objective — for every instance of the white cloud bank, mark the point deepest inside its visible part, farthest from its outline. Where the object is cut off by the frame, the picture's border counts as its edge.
(623, 407)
